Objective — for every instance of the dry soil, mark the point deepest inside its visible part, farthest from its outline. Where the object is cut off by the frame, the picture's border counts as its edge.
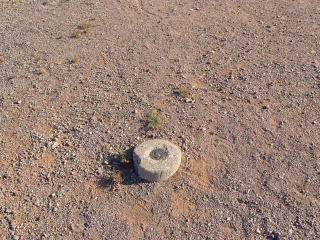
(236, 85)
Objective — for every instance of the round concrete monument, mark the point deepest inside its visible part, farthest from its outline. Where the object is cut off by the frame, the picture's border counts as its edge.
(156, 160)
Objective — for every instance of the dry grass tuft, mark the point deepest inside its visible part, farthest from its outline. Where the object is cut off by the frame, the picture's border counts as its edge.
(182, 91)
(74, 60)
(85, 30)
(77, 34)
(154, 120)
(116, 178)
(125, 159)
(86, 25)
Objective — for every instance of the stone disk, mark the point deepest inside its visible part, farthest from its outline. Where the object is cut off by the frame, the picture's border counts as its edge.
(156, 160)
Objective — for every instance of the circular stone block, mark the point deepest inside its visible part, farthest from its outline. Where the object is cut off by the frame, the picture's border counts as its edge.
(156, 160)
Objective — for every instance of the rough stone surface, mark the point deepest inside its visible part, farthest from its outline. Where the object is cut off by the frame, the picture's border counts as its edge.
(156, 170)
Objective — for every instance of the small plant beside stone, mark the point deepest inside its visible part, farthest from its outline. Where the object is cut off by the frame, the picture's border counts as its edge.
(124, 159)
(122, 170)
(116, 178)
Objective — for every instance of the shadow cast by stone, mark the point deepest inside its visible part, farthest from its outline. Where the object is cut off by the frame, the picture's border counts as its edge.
(123, 171)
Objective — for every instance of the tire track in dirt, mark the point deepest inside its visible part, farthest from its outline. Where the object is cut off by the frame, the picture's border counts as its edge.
(144, 10)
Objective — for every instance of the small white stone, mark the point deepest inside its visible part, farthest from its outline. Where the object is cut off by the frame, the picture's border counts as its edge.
(54, 145)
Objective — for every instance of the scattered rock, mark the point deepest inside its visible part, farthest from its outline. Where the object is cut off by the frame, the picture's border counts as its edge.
(8, 211)
(189, 100)
(54, 145)
(274, 236)
(37, 202)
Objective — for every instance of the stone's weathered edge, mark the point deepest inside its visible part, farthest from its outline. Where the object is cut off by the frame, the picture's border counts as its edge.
(156, 170)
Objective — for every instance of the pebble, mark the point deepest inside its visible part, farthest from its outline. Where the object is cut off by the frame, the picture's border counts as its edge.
(37, 202)
(54, 145)
(54, 209)
(258, 231)
(12, 225)
(189, 100)
(15, 237)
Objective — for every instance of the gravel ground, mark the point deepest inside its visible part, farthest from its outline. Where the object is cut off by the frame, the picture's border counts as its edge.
(234, 83)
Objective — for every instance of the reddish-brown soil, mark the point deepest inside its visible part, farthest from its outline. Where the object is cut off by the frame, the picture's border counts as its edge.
(78, 77)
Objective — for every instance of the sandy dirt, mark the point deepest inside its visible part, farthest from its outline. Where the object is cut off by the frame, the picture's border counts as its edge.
(235, 83)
